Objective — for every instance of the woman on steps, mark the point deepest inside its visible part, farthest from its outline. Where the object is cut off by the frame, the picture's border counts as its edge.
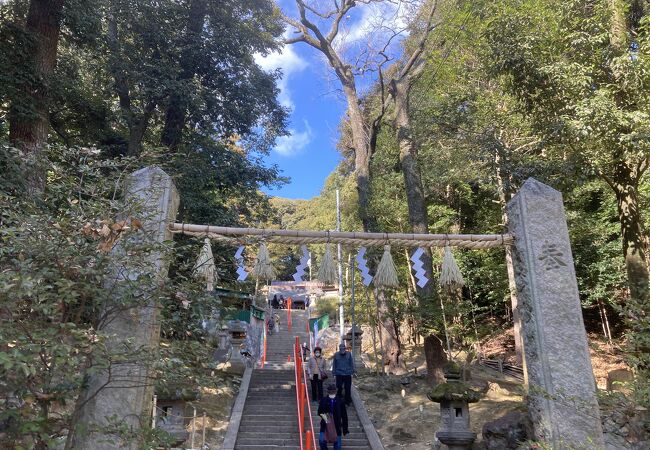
(317, 373)
(332, 411)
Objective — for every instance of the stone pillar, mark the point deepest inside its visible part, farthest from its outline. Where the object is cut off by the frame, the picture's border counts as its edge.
(562, 391)
(122, 393)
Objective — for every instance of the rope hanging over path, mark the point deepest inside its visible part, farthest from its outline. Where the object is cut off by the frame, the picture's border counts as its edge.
(299, 237)
(327, 269)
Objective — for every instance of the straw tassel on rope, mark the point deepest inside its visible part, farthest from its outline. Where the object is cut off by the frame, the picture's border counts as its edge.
(204, 266)
(263, 268)
(450, 276)
(327, 269)
(386, 273)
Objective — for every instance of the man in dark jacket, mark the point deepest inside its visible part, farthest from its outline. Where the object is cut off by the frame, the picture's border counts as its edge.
(332, 408)
(343, 369)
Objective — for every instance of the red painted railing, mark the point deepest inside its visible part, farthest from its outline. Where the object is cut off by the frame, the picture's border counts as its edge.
(307, 438)
(289, 304)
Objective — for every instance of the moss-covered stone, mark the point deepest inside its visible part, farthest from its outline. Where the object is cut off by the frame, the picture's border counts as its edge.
(452, 367)
(454, 391)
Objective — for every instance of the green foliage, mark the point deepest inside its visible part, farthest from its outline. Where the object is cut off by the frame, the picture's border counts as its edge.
(54, 300)
(329, 306)
(594, 235)
(580, 74)
(510, 90)
(51, 292)
(577, 85)
(122, 65)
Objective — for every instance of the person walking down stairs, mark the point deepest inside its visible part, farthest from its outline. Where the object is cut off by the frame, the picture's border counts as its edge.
(269, 416)
(343, 369)
(332, 411)
(317, 374)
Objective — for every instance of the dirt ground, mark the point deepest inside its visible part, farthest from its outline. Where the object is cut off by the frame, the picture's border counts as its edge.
(410, 422)
(604, 357)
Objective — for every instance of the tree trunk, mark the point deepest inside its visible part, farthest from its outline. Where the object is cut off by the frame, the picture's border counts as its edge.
(418, 217)
(415, 199)
(618, 26)
(411, 287)
(504, 193)
(390, 343)
(176, 113)
(408, 160)
(625, 185)
(604, 321)
(136, 124)
(28, 131)
(391, 347)
(399, 360)
(371, 321)
(138, 128)
(361, 144)
(632, 233)
(436, 359)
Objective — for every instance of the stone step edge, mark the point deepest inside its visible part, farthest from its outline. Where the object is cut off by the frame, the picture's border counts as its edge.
(366, 423)
(230, 439)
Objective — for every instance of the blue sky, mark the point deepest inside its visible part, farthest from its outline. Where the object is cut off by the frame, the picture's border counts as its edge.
(309, 155)
(312, 93)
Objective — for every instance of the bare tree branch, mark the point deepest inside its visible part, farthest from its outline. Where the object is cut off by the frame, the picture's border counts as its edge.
(334, 29)
(377, 120)
(415, 58)
(295, 40)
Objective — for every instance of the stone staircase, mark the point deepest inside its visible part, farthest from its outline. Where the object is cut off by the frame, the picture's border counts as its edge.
(269, 418)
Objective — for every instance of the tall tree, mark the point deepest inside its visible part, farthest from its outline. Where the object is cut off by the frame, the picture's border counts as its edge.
(29, 114)
(191, 45)
(582, 76)
(583, 81)
(200, 72)
(399, 89)
(325, 42)
(310, 25)
(136, 116)
(207, 94)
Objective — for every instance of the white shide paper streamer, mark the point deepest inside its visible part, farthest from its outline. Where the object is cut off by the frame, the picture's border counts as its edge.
(304, 262)
(366, 278)
(240, 260)
(418, 267)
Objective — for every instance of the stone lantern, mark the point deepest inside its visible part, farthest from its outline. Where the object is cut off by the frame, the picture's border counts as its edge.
(224, 350)
(454, 397)
(224, 337)
(358, 334)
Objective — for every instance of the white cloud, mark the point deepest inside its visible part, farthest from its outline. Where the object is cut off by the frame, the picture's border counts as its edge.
(290, 63)
(374, 23)
(364, 26)
(295, 143)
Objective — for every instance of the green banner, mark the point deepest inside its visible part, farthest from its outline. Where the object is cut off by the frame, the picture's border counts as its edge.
(318, 324)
